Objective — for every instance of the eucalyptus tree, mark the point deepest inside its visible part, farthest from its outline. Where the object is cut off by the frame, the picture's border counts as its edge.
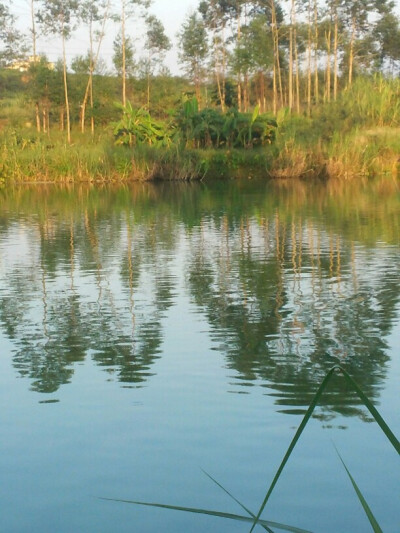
(356, 18)
(261, 39)
(332, 41)
(34, 54)
(128, 64)
(193, 49)
(128, 11)
(92, 12)
(59, 17)
(13, 46)
(241, 61)
(33, 30)
(45, 89)
(273, 12)
(294, 66)
(157, 44)
(253, 55)
(387, 35)
(216, 14)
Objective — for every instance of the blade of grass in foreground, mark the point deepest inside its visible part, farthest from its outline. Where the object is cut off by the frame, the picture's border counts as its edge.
(368, 512)
(219, 514)
(374, 412)
(299, 431)
(382, 424)
(235, 499)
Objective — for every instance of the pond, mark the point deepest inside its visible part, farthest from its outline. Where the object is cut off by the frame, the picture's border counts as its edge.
(154, 332)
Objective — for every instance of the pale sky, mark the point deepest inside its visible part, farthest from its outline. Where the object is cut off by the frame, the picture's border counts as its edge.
(171, 12)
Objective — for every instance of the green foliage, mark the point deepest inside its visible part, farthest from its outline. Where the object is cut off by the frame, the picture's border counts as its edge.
(157, 42)
(230, 94)
(210, 128)
(12, 41)
(193, 46)
(130, 64)
(138, 127)
(194, 128)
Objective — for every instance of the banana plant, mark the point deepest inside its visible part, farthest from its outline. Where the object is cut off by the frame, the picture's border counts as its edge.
(138, 127)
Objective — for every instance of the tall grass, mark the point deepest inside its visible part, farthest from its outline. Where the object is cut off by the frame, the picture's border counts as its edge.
(358, 135)
(29, 157)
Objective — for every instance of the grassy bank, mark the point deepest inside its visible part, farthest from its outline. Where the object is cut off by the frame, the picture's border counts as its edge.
(28, 157)
(358, 135)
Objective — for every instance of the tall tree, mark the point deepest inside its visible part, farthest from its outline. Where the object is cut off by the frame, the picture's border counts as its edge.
(216, 14)
(45, 88)
(157, 44)
(33, 30)
(91, 12)
(193, 49)
(12, 42)
(128, 10)
(58, 17)
(387, 35)
(356, 15)
(128, 66)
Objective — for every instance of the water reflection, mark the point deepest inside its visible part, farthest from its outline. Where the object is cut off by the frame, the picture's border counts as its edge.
(290, 277)
(287, 299)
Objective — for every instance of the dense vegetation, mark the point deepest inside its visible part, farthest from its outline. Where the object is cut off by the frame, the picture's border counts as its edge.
(307, 92)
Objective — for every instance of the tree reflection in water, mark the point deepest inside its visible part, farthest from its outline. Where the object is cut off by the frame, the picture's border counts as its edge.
(290, 278)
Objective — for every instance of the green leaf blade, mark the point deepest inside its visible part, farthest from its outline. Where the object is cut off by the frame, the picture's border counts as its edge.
(372, 520)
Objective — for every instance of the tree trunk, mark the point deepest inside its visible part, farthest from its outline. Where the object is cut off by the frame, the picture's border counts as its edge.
(316, 82)
(223, 68)
(246, 92)
(290, 96)
(221, 95)
(351, 52)
(277, 66)
(217, 58)
(239, 91)
(37, 113)
(91, 107)
(148, 81)
(335, 55)
(89, 86)
(33, 30)
(91, 68)
(328, 64)
(274, 89)
(296, 58)
(197, 83)
(309, 44)
(66, 91)
(123, 39)
(262, 92)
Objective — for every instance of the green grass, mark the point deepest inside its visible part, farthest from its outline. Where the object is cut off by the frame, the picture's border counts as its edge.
(26, 156)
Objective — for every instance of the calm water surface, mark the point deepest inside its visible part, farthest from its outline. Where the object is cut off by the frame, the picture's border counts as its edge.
(152, 331)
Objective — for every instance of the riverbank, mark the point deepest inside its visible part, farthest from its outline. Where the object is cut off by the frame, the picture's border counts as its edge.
(356, 136)
(32, 158)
